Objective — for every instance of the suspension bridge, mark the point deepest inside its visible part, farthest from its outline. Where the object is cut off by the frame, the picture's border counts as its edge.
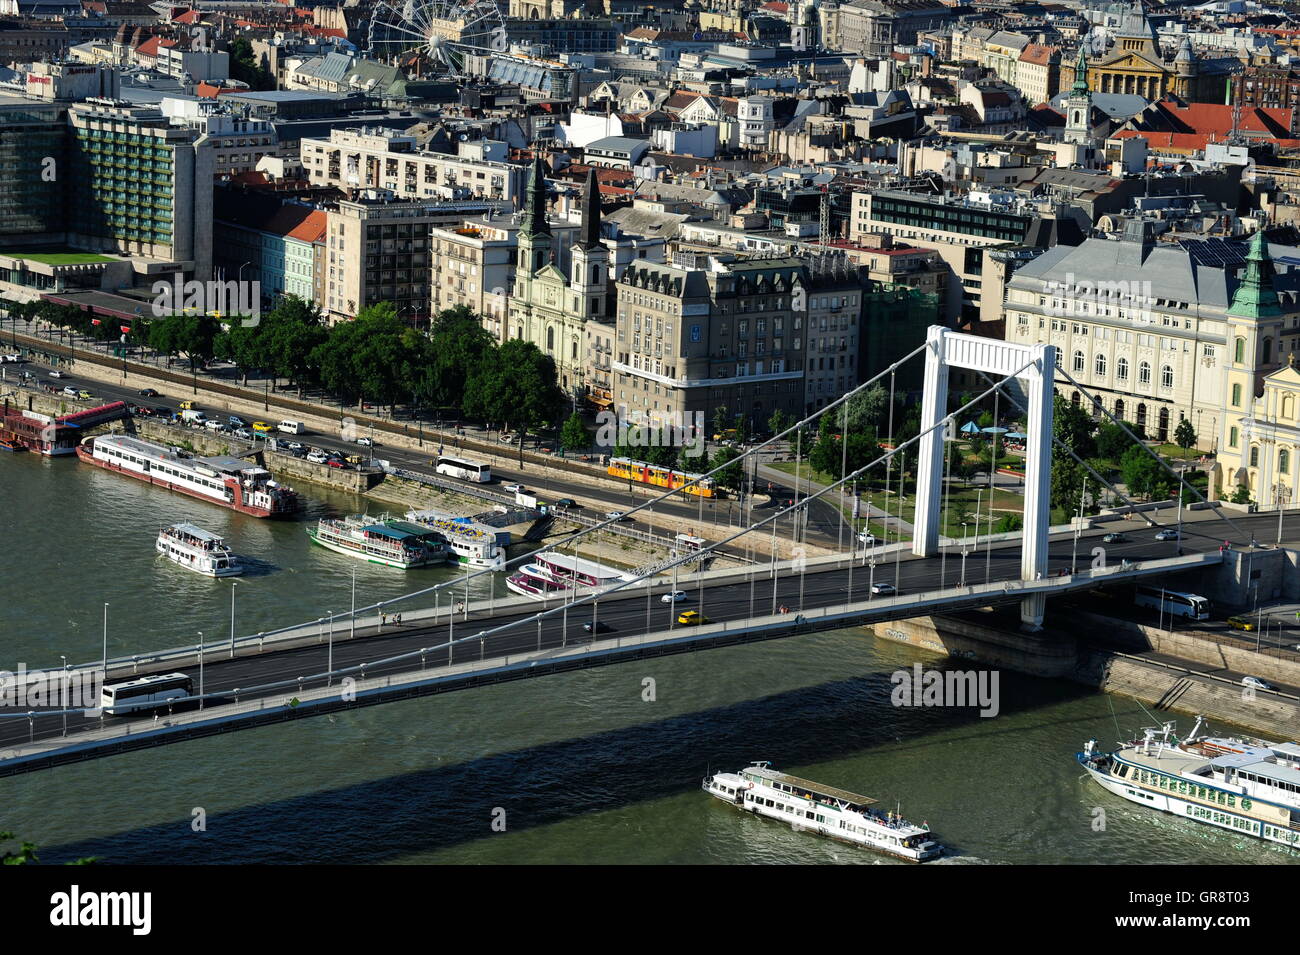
(446, 641)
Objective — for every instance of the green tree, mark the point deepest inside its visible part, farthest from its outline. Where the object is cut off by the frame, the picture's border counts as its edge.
(460, 342)
(1241, 495)
(514, 384)
(574, 436)
(1112, 442)
(1144, 475)
(1073, 427)
(778, 422)
(867, 409)
(1067, 480)
(720, 419)
(732, 474)
(1185, 435)
(244, 66)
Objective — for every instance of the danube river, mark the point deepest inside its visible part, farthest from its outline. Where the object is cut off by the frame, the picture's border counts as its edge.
(576, 768)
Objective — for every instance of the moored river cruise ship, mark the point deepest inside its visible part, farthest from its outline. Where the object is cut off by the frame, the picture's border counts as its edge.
(231, 482)
(380, 540)
(198, 550)
(1245, 785)
(553, 574)
(825, 810)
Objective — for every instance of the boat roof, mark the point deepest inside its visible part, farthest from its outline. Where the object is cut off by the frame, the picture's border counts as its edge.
(220, 463)
(822, 790)
(1271, 770)
(581, 565)
(1286, 749)
(392, 533)
(193, 530)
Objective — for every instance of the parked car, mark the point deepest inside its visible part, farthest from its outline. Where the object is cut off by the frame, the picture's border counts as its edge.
(1256, 683)
(212, 424)
(1241, 622)
(70, 391)
(237, 422)
(691, 618)
(297, 446)
(1114, 538)
(565, 503)
(868, 540)
(164, 412)
(14, 357)
(366, 442)
(883, 589)
(148, 392)
(1167, 535)
(355, 460)
(337, 463)
(85, 395)
(596, 626)
(677, 596)
(317, 456)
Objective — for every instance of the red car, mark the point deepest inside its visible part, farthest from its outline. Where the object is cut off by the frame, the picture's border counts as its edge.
(337, 463)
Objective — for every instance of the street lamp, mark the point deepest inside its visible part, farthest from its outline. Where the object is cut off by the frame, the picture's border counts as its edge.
(200, 669)
(63, 702)
(233, 585)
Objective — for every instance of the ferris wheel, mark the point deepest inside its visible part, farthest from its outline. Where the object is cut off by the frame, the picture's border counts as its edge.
(442, 32)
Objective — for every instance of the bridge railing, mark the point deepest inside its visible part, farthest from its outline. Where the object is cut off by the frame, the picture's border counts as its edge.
(327, 686)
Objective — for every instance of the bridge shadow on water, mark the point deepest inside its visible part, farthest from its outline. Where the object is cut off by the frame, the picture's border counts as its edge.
(442, 807)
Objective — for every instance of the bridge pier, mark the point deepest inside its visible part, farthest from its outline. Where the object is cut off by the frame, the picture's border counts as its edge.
(946, 349)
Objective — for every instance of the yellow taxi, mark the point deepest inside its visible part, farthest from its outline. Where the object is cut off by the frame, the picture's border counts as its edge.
(690, 618)
(262, 427)
(1241, 622)
(187, 406)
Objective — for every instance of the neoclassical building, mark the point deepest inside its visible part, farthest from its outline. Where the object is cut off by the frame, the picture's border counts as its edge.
(1135, 63)
(1158, 332)
(547, 307)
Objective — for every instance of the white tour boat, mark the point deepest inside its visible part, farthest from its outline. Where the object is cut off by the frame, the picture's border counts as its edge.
(553, 574)
(824, 810)
(1245, 785)
(469, 541)
(198, 550)
(380, 540)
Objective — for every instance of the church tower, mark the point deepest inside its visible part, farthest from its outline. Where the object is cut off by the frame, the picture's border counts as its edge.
(535, 233)
(1078, 105)
(590, 275)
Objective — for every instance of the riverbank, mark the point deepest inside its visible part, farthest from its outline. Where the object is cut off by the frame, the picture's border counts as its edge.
(1069, 650)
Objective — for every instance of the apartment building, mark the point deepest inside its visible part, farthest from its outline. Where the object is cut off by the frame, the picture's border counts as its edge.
(377, 249)
(959, 229)
(385, 159)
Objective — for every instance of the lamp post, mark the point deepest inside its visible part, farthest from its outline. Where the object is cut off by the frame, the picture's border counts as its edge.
(200, 669)
(233, 585)
(63, 702)
(964, 551)
(104, 676)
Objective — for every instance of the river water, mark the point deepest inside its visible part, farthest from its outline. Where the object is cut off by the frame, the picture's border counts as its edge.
(576, 768)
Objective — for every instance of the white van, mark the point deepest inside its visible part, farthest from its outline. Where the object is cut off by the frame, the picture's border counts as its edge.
(292, 427)
(194, 415)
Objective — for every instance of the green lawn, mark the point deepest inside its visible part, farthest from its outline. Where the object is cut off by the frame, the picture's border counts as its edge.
(62, 258)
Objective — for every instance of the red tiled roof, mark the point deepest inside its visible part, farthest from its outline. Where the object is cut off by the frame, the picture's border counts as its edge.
(776, 6)
(149, 47)
(1037, 53)
(189, 16)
